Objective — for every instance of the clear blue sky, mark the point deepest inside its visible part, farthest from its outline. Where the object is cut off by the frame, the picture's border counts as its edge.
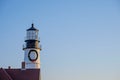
(80, 38)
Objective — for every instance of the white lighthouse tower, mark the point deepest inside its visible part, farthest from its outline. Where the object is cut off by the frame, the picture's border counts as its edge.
(32, 49)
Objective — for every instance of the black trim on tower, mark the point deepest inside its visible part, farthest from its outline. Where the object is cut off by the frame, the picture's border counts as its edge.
(32, 44)
(31, 40)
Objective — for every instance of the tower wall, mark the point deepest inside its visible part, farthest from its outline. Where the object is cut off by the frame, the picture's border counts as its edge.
(32, 64)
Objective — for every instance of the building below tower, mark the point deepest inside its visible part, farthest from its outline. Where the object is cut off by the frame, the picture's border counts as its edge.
(19, 74)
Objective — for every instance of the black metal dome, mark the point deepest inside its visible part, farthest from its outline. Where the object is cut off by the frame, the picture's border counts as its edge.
(32, 28)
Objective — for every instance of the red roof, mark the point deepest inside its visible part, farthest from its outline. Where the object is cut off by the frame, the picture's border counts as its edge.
(19, 74)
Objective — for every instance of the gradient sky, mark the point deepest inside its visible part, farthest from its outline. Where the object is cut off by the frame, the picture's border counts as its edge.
(80, 38)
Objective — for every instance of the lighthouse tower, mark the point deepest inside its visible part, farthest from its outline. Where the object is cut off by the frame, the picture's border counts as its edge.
(32, 49)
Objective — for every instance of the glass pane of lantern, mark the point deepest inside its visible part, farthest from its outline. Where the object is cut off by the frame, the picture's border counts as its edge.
(32, 35)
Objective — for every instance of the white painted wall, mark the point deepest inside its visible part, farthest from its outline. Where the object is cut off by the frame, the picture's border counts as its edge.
(31, 64)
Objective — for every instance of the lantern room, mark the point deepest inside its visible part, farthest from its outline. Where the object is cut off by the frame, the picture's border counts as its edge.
(32, 33)
(32, 40)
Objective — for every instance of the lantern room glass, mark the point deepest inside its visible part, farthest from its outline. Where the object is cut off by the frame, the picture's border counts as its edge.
(32, 35)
